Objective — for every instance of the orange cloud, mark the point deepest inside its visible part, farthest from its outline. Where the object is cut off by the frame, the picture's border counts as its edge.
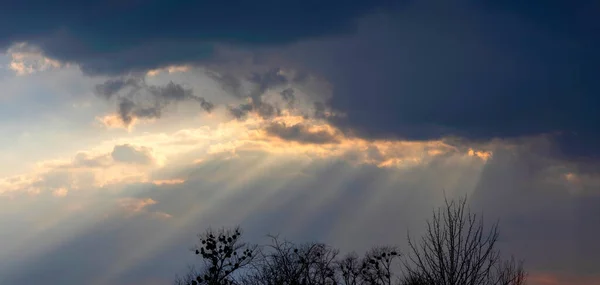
(86, 170)
(105, 164)
(60, 192)
(113, 121)
(135, 205)
(27, 60)
(169, 69)
(296, 135)
(168, 182)
(484, 155)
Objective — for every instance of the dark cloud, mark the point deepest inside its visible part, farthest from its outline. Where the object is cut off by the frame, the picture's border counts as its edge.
(300, 133)
(263, 109)
(228, 82)
(319, 110)
(264, 81)
(113, 86)
(240, 111)
(477, 70)
(261, 83)
(130, 154)
(146, 101)
(288, 96)
(110, 37)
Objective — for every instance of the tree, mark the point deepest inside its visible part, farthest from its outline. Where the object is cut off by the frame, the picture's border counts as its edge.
(457, 250)
(283, 262)
(223, 254)
(376, 267)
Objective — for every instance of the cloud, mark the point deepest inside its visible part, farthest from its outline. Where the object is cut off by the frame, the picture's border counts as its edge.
(288, 96)
(143, 100)
(474, 70)
(135, 40)
(130, 154)
(134, 158)
(261, 83)
(83, 159)
(300, 133)
(270, 91)
(228, 82)
(28, 60)
(112, 86)
(167, 181)
(60, 192)
(124, 165)
(114, 121)
(136, 206)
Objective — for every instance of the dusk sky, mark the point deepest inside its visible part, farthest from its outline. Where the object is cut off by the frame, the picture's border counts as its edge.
(129, 126)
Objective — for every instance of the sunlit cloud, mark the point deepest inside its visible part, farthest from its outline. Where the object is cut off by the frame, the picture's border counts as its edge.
(26, 59)
(169, 70)
(113, 121)
(485, 155)
(582, 183)
(60, 192)
(124, 164)
(135, 205)
(168, 182)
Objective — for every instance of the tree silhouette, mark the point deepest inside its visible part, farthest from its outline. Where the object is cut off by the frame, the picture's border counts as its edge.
(455, 250)
(376, 267)
(223, 254)
(283, 262)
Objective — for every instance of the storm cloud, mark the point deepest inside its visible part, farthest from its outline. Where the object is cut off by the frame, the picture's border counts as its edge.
(143, 35)
(300, 133)
(475, 70)
(260, 83)
(146, 101)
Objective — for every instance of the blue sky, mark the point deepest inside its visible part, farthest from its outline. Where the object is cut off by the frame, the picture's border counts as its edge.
(320, 120)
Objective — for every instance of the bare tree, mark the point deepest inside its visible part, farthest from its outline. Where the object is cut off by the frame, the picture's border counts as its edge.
(457, 250)
(283, 262)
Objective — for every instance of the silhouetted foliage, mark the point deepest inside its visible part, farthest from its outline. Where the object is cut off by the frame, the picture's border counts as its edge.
(455, 250)
(223, 254)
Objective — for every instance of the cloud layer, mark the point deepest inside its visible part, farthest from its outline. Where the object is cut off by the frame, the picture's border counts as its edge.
(144, 35)
(477, 71)
(140, 100)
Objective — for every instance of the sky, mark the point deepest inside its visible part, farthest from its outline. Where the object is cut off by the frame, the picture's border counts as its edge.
(130, 126)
